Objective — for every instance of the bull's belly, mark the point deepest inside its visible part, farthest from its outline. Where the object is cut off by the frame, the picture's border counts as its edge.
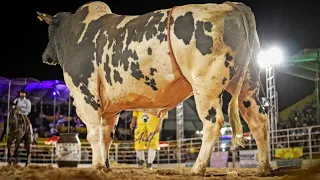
(165, 99)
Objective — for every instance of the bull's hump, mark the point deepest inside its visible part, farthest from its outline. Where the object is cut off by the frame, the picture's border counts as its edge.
(94, 11)
(96, 7)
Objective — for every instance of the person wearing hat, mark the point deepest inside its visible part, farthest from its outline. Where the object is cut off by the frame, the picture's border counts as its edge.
(24, 106)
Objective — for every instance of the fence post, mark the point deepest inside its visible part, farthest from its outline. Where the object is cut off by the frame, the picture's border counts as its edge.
(288, 137)
(169, 154)
(116, 151)
(52, 146)
(250, 140)
(310, 146)
(158, 157)
(7, 133)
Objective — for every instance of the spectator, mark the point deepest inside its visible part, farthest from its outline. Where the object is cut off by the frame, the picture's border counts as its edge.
(301, 118)
(61, 121)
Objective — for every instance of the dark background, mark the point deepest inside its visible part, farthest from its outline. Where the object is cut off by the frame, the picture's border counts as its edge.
(292, 25)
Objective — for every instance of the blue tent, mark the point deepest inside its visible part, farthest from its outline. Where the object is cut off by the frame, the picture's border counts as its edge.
(45, 91)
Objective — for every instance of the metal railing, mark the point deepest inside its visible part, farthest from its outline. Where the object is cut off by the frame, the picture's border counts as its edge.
(308, 137)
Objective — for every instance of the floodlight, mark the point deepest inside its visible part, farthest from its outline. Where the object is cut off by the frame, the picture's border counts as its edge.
(272, 56)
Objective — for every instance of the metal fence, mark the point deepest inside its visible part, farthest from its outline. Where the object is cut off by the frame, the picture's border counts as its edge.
(307, 137)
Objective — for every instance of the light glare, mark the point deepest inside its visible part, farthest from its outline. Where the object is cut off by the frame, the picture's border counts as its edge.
(272, 56)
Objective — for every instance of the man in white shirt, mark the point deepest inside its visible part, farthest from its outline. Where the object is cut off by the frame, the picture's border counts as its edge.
(24, 106)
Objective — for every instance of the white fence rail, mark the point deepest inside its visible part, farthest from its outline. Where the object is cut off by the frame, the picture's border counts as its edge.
(307, 137)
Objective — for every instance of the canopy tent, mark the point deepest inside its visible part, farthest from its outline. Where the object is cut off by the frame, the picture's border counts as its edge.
(304, 64)
(38, 91)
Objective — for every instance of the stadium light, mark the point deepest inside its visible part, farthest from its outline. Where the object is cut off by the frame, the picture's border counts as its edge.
(272, 56)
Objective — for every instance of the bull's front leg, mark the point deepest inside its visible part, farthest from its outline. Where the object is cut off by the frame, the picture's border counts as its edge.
(107, 131)
(94, 138)
(92, 119)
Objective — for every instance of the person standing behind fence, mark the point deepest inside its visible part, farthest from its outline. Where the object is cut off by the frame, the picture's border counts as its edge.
(146, 136)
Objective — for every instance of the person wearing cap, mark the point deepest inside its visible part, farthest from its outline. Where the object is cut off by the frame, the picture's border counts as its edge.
(24, 106)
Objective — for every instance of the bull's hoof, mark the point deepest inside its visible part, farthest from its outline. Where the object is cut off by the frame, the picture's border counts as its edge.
(198, 172)
(264, 172)
(102, 168)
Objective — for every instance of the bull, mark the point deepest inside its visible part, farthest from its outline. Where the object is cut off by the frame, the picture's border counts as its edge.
(152, 62)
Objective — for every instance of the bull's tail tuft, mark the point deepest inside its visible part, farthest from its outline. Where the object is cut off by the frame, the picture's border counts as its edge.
(234, 118)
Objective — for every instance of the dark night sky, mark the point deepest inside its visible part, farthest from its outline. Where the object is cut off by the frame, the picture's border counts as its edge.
(293, 25)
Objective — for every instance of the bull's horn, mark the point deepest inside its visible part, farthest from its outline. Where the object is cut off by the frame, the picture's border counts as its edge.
(46, 18)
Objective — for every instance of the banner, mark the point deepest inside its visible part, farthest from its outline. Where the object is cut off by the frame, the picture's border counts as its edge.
(248, 158)
(289, 153)
(219, 159)
(287, 157)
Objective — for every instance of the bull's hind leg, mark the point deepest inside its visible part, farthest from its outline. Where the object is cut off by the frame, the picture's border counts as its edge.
(257, 121)
(209, 107)
(108, 127)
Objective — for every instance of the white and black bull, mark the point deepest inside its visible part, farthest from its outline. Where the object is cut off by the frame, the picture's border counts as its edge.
(116, 62)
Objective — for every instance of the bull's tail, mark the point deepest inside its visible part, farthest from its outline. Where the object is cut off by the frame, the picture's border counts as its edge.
(233, 109)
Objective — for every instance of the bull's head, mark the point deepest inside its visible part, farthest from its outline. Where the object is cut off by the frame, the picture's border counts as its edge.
(50, 54)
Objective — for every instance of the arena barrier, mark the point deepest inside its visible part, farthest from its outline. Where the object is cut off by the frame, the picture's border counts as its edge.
(306, 137)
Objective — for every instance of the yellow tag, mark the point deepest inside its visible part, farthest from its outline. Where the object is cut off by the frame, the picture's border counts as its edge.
(40, 18)
(44, 15)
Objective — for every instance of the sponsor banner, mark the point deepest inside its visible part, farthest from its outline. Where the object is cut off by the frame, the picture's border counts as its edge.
(289, 157)
(219, 159)
(289, 153)
(248, 158)
(289, 162)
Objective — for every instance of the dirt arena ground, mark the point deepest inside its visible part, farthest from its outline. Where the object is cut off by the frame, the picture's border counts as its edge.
(36, 172)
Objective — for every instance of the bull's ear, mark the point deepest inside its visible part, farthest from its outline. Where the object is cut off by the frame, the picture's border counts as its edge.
(47, 18)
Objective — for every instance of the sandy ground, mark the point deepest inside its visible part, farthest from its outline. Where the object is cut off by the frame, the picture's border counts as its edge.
(37, 172)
